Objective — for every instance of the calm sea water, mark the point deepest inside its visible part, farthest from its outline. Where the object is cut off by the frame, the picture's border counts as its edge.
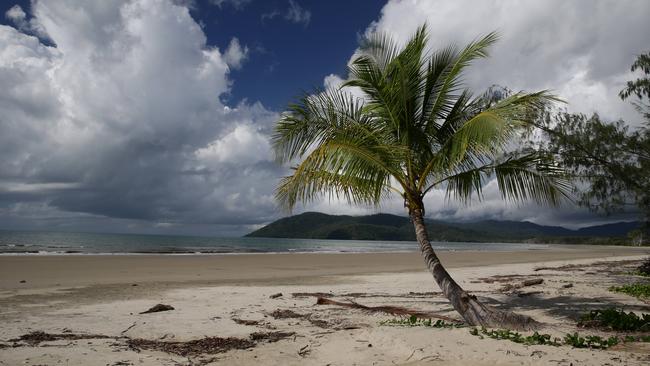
(30, 242)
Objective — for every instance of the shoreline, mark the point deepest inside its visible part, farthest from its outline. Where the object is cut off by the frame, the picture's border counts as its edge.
(61, 271)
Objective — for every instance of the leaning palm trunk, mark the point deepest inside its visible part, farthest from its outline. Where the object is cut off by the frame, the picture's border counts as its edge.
(473, 311)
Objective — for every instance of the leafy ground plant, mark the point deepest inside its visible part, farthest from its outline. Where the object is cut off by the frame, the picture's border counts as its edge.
(414, 321)
(590, 341)
(614, 319)
(640, 290)
(535, 338)
(573, 340)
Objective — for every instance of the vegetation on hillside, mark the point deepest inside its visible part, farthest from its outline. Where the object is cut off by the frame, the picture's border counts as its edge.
(314, 225)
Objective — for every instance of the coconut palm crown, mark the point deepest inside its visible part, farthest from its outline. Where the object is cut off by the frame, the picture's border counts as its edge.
(416, 128)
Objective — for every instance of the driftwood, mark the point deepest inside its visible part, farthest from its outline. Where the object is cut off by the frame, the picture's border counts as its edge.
(158, 308)
(531, 282)
(525, 294)
(365, 294)
(275, 296)
(526, 283)
(394, 310)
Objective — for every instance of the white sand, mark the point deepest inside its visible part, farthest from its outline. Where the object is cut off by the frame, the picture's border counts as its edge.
(208, 311)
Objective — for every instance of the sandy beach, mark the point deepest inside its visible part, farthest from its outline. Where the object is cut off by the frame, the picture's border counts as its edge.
(90, 308)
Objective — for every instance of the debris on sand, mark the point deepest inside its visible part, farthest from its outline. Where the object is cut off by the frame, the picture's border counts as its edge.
(304, 351)
(526, 283)
(410, 294)
(35, 338)
(314, 294)
(271, 337)
(208, 345)
(275, 296)
(158, 308)
(290, 314)
(287, 314)
(530, 293)
(394, 310)
(246, 321)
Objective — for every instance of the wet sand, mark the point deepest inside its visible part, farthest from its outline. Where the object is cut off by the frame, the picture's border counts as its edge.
(44, 271)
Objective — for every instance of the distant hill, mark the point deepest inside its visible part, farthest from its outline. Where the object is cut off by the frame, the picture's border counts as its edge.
(315, 225)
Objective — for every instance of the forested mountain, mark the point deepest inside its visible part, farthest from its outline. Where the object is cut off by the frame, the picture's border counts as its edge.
(315, 225)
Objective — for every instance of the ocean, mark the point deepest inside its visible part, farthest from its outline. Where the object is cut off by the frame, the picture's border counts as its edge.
(36, 242)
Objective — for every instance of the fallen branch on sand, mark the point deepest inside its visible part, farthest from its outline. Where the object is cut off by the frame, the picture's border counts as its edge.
(393, 310)
(364, 294)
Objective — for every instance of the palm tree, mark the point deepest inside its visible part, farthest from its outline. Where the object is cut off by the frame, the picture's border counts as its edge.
(416, 128)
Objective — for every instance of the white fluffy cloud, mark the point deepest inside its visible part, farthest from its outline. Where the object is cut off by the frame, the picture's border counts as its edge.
(243, 145)
(16, 14)
(121, 118)
(580, 49)
(235, 54)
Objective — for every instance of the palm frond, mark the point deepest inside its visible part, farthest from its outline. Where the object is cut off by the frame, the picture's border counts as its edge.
(341, 145)
(449, 80)
(526, 177)
(312, 120)
(484, 136)
(335, 175)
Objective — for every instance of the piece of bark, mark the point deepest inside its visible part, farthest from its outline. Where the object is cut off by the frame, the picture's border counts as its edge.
(525, 294)
(532, 282)
(158, 308)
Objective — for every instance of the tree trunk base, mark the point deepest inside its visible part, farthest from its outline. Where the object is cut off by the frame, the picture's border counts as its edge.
(478, 314)
(473, 311)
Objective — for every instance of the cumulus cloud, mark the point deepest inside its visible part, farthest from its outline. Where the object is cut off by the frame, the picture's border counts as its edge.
(235, 54)
(16, 14)
(581, 50)
(121, 119)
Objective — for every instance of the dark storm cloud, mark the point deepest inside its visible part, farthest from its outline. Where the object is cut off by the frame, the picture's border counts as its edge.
(125, 121)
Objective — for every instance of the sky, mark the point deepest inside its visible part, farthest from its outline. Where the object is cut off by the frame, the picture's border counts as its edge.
(154, 116)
